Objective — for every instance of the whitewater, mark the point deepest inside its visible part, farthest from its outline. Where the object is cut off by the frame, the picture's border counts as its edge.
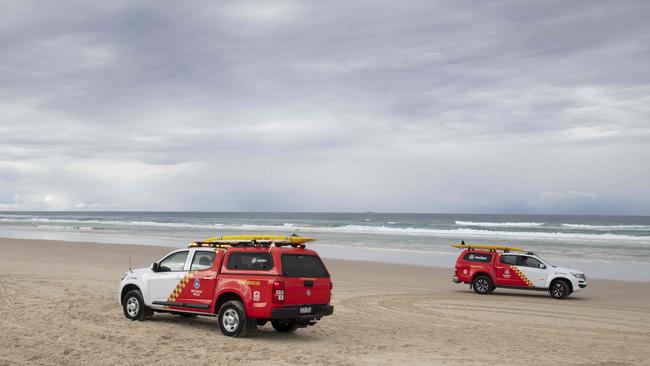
(394, 237)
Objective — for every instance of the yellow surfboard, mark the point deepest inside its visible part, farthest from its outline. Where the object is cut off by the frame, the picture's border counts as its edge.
(293, 239)
(488, 247)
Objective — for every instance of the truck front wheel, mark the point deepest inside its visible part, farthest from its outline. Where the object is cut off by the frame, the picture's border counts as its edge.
(560, 289)
(233, 321)
(134, 307)
(285, 327)
(482, 285)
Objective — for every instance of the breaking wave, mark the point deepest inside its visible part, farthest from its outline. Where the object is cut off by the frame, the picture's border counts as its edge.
(607, 227)
(457, 233)
(500, 224)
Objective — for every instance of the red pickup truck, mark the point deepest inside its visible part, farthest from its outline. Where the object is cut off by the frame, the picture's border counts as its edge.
(243, 284)
(486, 267)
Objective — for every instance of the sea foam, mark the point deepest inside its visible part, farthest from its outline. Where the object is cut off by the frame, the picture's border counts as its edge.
(500, 224)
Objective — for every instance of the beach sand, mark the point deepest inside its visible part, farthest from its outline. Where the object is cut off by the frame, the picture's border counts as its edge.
(59, 306)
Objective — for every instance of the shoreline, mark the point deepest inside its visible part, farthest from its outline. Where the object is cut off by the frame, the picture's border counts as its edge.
(595, 269)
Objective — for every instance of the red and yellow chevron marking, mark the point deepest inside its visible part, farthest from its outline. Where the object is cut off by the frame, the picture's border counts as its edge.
(179, 288)
(522, 276)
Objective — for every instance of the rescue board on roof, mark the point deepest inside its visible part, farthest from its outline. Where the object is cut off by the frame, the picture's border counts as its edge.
(292, 239)
(488, 247)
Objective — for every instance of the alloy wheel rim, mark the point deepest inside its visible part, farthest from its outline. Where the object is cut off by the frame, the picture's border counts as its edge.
(482, 285)
(230, 320)
(132, 307)
(558, 290)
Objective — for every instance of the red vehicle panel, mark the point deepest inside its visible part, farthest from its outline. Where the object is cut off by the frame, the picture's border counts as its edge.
(471, 263)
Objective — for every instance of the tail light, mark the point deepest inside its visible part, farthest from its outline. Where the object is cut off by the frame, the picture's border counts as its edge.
(278, 292)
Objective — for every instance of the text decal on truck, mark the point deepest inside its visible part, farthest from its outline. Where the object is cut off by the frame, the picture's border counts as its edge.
(478, 257)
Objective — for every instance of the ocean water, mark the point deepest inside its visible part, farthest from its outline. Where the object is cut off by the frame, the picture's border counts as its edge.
(604, 246)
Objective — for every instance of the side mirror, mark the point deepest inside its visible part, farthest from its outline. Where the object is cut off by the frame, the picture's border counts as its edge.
(154, 266)
(542, 266)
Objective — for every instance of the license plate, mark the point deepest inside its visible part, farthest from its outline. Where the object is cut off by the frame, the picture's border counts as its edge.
(305, 310)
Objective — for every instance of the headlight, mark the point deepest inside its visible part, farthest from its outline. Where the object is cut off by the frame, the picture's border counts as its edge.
(578, 275)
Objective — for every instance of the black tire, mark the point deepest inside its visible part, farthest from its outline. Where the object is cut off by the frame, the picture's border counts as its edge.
(560, 289)
(285, 326)
(134, 307)
(482, 285)
(233, 321)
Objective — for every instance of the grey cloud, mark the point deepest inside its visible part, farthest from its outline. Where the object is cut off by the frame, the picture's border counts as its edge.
(409, 106)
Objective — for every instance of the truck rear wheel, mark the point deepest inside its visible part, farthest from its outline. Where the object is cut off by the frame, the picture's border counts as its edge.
(233, 321)
(134, 307)
(482, 285)
(285, 327)
(559, 289)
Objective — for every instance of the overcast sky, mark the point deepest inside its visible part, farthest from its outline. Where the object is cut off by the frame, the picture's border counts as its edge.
(495, 107)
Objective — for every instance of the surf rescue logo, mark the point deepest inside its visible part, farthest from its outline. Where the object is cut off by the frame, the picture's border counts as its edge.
(196, 291)
(506, 273)
(256, 296)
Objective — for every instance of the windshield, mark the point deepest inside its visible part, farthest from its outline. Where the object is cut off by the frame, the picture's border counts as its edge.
(544, 261)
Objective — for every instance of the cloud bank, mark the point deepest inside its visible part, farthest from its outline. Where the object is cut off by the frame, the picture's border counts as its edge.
(336, 106)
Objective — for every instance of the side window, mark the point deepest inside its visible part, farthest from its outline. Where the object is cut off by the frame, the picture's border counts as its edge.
(202, 260)
(509, 259)
(174, 262)
(529, 262)
(250, 261)
(478, 257)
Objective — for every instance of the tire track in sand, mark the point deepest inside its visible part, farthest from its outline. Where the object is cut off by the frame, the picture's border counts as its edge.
(7, 295)
(452, 308)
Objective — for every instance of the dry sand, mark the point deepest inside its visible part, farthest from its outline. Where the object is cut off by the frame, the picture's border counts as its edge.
(58, 306)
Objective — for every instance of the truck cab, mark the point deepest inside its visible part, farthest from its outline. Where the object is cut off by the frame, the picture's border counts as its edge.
(243, 284)
(488, 269)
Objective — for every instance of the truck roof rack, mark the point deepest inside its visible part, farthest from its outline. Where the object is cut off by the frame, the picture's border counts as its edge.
(492, 248)
(235, 241)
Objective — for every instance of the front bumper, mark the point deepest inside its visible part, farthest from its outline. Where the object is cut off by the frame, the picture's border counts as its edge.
(293, 312)
(579, 284)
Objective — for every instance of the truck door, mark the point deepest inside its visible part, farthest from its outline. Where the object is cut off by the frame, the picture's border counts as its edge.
(198, 293)
(171, 271)
(533, 269)
(505, 272)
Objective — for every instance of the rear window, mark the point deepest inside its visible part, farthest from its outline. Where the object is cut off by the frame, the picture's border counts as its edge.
(250, 261)
(298, 265)
(478, 257)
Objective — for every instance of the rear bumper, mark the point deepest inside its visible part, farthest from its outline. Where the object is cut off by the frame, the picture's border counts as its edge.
(293, 312)
(455, 280)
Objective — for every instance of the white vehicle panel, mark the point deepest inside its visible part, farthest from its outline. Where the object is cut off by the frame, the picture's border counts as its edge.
(538, 276)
